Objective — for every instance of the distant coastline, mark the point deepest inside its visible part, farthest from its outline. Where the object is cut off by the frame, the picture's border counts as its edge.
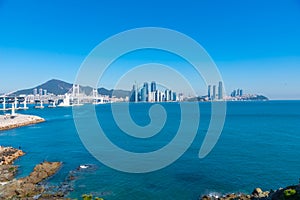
(54, 91)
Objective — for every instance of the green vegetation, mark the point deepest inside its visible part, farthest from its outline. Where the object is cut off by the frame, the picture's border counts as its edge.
(90, 197)
(289, 192)
(11, 169)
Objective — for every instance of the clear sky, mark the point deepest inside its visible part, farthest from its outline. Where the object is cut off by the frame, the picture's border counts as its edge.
(255, 43)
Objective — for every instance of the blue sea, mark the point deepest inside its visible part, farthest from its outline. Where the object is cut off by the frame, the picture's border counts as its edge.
(259, 147)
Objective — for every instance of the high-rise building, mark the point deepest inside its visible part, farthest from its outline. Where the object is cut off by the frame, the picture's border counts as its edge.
(134, 94)
(220, 90)
(174, 96)
(40, 91)
(159, 96)
(209, 92)
(143, 94)
(153, 86)
(35, 91)
(146, 86)
(162, 96)
(167, 95)
(170, 95)
(151, 97)
(180, 97)
(241, 92)
(156, 96)
(214, 93)
(45, 92)
(233, 94)
(237, 93)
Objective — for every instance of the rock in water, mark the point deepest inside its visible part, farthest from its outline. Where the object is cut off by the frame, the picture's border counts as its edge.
(257, 192)
(28, 187)
(8, 155)
(42, 171)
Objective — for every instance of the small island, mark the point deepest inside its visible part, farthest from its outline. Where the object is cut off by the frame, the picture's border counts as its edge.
(9, 121)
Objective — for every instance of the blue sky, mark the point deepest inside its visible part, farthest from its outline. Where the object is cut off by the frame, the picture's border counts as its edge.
(255, 44)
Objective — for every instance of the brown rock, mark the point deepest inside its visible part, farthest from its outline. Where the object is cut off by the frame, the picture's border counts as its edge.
(8, 155)
(42, 171)
(28, 187)
(257, 191)
(205, 197)
(7, 172)
(57, 196)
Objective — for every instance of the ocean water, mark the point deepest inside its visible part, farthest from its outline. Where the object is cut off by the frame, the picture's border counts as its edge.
(259, 147)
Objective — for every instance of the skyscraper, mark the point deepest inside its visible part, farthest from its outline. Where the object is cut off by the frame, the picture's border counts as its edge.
(35, 91)
(146, 86)
(136, 93)
(220, 90)
(233, 94)
(241, 92)
(151, 96)
(153, 86)
(132, 94)
(156, 96)
(40, 91)
(174, 96)
(167, 95)
(214, 93)
(209, 92)
(143, 94)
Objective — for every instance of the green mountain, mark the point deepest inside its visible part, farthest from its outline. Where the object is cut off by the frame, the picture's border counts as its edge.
(59, 87)
(54, 86)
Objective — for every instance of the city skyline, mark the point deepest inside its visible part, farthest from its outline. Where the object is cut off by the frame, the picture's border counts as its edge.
(153, 92)
(143, 94)
(255, 45)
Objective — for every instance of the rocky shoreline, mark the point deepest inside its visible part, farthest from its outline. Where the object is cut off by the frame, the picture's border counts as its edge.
(18, 120)
(288, 193)
(28, 187)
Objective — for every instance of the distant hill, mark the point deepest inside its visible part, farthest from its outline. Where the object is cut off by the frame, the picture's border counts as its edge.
(54, 86)
(258, 98)
(59, 87)
(116, 93)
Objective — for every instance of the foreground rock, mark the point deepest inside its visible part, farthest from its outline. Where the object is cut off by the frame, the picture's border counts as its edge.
(7, 173)
(28, 187)
(18, 120)
(288, 193)
(9, 154)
